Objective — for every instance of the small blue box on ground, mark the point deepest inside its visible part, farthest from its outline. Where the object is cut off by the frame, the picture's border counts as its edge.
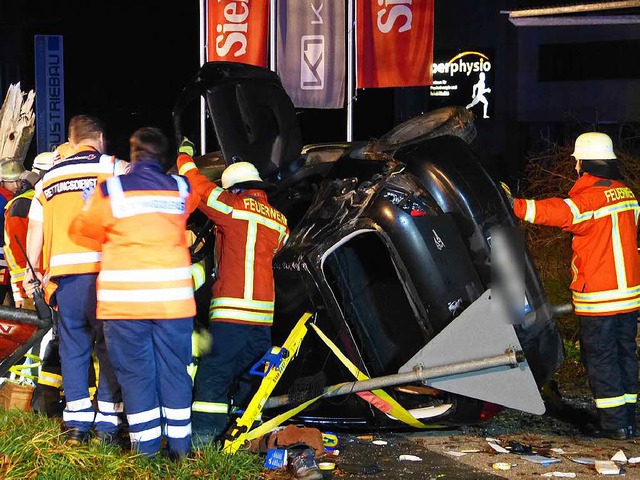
(276, 458)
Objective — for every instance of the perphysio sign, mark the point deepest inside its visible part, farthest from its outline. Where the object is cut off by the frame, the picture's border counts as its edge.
(463, 78)
(49, 92)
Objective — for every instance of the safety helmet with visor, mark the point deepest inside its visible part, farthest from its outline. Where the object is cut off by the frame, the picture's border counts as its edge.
(243, 175)
(43, 162)
(10, 170)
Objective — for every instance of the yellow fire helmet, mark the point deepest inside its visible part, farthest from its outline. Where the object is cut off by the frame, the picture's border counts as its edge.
(10, 170)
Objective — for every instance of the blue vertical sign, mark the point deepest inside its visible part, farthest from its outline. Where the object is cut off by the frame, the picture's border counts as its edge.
(49, 92)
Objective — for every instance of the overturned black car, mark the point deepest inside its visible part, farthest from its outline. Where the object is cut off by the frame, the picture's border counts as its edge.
(390, 248)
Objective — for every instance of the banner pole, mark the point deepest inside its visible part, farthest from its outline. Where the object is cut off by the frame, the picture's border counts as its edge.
(350, 66)
(203, 59)
(272, 35)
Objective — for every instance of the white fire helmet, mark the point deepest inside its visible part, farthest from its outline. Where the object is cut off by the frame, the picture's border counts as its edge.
(239, 173)
(594, 146)
(42, 162)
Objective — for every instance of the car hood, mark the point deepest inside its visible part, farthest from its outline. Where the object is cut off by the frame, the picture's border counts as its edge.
(252, 116)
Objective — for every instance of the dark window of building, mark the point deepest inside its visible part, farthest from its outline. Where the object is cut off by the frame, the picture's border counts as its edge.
(589, 61)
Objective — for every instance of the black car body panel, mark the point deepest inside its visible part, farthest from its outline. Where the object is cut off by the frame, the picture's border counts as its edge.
(390, 241)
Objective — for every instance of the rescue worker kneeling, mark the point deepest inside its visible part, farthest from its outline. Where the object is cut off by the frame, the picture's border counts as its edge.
(145, 291)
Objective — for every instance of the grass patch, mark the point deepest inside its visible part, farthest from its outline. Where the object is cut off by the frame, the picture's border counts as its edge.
(31, 446)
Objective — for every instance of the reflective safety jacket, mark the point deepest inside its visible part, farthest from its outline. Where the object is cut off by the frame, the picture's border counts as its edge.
(140, 220)
(59, 197)
(249, 234)
(602, 215)
(16, 223)
(5, 196)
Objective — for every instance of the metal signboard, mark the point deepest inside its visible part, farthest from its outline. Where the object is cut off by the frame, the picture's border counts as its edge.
(49, 69)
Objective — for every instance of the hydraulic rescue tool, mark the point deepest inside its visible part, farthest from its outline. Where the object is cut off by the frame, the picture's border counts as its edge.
(275, 362)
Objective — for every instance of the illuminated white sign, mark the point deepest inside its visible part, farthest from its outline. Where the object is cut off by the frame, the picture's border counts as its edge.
(466, 78)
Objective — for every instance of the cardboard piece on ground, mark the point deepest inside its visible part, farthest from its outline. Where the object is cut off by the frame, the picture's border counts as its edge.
(584, 461)
(13, 395)
(619, 457)
(498, 448)
(559, 474)
(607, 467)
(455, 454)
(540, 459)
(410, 458)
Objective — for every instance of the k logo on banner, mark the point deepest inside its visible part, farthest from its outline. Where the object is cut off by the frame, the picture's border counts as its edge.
(311, 52)
(394, 43)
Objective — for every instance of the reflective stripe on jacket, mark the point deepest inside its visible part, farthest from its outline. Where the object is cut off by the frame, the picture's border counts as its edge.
(140, 219)
(249, 234)
(62, 194)
(602, 215)
(16, 223)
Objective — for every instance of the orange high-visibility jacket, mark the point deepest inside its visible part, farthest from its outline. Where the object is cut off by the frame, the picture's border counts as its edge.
(249, 234)
(602, 215)
(58, 199)
(5, 196)
(16, 223)
(140, 221)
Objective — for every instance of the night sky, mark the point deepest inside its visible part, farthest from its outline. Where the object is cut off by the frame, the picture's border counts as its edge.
(125, 62)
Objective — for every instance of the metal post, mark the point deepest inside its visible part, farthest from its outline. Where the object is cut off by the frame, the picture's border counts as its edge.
(273, 36)
(350, 66)
(203, 59)
(510, 358)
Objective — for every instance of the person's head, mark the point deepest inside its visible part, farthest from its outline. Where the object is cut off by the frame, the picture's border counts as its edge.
(10, 171)
(594, 154)
(28, 180)
(243, 176)
(86, 130)
(148, 144)
(42, 163)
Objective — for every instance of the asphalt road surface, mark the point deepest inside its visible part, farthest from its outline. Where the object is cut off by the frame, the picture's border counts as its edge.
(559, 441)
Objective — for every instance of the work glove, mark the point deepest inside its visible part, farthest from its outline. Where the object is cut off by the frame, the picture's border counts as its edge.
(507, 190)
(187, 147)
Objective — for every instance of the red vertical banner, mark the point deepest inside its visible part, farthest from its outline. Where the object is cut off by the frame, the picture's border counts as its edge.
(238, 31)
(394, 43)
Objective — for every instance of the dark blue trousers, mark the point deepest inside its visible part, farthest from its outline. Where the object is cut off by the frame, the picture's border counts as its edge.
(151, 358)
(80, 335)
(608, 348)
(236, 347)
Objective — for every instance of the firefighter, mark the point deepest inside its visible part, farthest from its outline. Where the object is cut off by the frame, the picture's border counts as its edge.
(70, 270)
(10, 171)
(16, 222)
(602, 215)
(249, 233)
(145, 291)
(46, 396)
